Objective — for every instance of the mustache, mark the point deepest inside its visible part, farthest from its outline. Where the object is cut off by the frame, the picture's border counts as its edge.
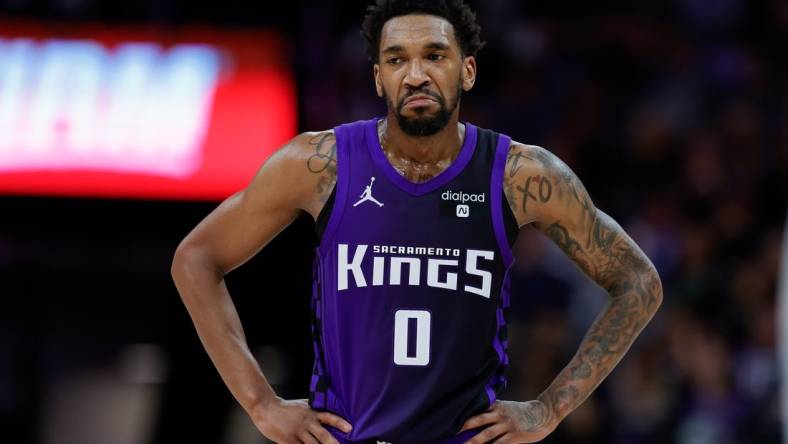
(420, 91)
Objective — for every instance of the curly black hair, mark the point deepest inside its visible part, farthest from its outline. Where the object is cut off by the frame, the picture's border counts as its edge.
(456, 12)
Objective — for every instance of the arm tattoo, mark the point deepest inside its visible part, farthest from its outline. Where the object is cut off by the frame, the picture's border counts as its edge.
(513, 161)
(542, 187)
(534, 416)
(615, 262)
(604, 252)
(324, 162)
(535, 188)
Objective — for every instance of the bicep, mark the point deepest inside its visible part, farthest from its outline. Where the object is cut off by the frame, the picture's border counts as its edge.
(246, 221)
(593, 240)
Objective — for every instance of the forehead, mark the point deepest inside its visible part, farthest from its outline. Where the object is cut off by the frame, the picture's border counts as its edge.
(417, 30)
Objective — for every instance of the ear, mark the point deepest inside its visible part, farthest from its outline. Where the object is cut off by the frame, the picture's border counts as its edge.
(468, 73)
(378, 80)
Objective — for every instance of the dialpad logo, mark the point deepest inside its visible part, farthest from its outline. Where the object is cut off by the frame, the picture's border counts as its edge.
(462, 209)
(459, 196)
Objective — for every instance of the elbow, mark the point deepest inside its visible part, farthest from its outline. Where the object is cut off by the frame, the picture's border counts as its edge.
(645, 287)
(654, 290)
(188, 261)
(180, 261)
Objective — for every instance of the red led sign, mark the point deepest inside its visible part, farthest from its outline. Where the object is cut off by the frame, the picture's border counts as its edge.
(132, 113)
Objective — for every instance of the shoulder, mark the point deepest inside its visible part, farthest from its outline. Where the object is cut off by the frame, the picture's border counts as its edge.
(303, 146)
(303, 171)
(532, 158)
(318, 154)
(533, 177)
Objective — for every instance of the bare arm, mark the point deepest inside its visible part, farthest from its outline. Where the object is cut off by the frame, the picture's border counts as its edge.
(298, 177)
(543, 191)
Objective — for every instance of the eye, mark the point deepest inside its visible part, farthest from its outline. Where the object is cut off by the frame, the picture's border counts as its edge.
(435, 57)
(393, 60)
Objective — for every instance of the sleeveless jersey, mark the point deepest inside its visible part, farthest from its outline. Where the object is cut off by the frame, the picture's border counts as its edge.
(410, 286)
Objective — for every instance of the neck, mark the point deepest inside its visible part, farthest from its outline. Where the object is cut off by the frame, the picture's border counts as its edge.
(439, 147)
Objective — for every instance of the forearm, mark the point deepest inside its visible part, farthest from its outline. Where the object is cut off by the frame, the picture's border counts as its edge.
(204, 293)
(607, 340)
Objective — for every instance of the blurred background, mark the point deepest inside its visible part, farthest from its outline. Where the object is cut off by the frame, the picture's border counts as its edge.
(122, 124)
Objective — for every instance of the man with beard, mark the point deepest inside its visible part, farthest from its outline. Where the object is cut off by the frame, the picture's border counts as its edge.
(416, 213)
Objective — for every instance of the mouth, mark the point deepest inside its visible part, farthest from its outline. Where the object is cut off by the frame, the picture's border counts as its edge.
(419, 100)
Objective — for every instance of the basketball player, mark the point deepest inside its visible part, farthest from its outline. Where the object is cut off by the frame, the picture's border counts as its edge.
(416, 213)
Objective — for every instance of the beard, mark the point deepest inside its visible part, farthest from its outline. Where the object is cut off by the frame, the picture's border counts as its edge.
(424, 124)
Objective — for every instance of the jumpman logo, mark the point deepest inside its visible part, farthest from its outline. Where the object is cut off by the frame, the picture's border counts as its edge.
(367, 194)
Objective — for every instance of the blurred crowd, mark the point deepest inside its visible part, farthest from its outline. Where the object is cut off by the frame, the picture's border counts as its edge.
(676, 119)
(675, 116)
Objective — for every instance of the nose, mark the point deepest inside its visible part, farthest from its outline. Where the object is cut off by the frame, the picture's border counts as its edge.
(416, 76)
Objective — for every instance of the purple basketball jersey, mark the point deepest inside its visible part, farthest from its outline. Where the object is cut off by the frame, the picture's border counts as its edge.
(410, 287)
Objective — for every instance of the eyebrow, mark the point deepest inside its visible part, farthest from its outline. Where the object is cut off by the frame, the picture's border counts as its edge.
(431, 45)
(438, 45)
(394, 48)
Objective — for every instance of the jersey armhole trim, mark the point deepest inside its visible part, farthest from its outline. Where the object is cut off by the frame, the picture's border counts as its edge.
(496, 199)
(322, 218)
(340, 188)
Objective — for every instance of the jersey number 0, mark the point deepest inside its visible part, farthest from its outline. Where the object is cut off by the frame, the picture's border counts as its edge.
(401, 335)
